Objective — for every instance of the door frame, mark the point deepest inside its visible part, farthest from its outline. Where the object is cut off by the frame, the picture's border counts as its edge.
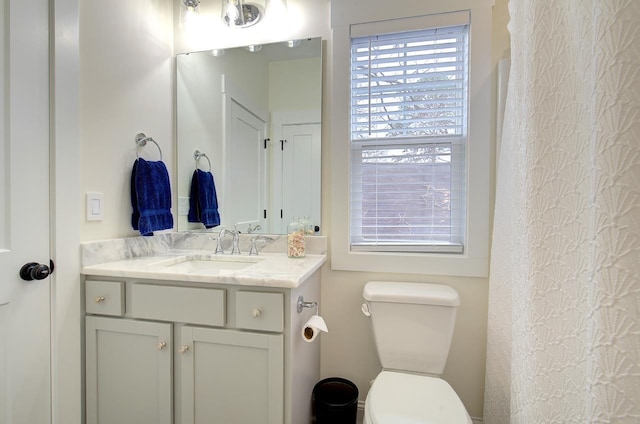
(65, 213)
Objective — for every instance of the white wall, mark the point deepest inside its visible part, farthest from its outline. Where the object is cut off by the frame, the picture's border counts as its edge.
(126, 87)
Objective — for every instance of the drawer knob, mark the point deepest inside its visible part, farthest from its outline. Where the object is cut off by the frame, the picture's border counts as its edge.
(256, 313)
(183, 349)
(100, 299)
(162, 345)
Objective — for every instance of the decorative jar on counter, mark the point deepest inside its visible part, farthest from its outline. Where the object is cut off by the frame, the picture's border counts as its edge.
(295, 239)
(309, 228)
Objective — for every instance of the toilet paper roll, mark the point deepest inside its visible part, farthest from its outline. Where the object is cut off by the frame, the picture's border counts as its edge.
(313, 327)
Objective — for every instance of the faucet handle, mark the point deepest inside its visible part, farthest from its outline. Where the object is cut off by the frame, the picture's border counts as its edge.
(253, 249)
(235, 250)
(219, 249)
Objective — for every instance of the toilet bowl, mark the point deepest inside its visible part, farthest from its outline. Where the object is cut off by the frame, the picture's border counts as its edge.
(412, 326)
(400, 398)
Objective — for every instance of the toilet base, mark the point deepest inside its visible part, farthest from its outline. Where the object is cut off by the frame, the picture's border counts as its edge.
(397, 397)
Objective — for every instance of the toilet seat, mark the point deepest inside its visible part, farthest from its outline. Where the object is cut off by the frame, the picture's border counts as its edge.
(401, 398)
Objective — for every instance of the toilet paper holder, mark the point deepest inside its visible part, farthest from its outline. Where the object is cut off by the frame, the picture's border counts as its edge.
(302, 304)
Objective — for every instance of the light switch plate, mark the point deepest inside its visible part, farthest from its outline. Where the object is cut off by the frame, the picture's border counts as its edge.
(183, 206)
(95, 204)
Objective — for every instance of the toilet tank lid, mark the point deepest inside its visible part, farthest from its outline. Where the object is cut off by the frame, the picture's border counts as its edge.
(416, 293)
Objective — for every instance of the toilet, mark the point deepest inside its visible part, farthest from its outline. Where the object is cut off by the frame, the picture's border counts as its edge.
(412, 326)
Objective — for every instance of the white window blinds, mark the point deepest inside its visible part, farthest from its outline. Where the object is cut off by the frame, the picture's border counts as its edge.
(408, 138)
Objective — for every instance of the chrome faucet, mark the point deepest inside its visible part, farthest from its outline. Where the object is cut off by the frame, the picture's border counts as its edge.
(235, 249)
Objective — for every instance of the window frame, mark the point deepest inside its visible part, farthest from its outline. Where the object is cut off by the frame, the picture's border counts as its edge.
(474, 261)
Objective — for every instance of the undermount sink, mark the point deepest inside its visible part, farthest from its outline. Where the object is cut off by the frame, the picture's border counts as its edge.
(208, 263)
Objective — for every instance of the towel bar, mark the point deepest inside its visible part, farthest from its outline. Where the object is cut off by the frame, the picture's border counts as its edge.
(141, 141)
(198, 154)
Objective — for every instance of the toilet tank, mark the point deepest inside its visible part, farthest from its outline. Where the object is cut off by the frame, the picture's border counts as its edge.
(412, 324)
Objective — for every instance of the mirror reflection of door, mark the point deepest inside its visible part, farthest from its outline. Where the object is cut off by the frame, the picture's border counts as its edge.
(25, 345)
(245, 164)
(300, 173)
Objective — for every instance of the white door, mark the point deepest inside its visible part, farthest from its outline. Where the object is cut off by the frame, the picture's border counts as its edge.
(245, 170)
(301, 173)
(25, 382)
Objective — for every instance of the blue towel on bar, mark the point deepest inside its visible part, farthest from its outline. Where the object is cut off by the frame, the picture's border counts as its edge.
(150, 197)
(203, 201)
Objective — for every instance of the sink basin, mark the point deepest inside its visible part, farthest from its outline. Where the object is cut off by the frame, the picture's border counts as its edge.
(203, 264)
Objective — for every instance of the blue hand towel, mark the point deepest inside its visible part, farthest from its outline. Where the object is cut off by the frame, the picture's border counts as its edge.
(203, 201)
(150, 197)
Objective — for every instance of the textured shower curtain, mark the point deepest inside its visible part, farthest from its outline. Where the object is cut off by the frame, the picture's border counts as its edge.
(564, 315)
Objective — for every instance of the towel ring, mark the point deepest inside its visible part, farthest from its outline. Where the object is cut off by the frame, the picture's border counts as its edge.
(197, 155)
(141, 141)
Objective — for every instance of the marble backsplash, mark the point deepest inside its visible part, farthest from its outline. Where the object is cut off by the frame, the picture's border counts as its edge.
(101, 251)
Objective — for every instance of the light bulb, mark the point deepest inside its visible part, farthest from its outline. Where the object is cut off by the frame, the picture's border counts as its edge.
(191, 5)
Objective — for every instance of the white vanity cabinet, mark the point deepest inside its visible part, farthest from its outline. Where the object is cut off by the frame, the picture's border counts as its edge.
(231, 376)
(128, 371)
(193, 353)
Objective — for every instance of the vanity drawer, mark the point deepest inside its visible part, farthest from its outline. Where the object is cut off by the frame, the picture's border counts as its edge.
(104, 297)
(260, 311)
(178, 304)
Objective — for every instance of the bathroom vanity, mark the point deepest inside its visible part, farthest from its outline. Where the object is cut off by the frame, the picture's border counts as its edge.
(180, 336)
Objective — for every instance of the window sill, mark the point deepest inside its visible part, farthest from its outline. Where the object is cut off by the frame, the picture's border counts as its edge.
(410, 263)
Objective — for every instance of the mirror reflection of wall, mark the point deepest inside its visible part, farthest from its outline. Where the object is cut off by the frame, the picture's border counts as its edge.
(227, 105)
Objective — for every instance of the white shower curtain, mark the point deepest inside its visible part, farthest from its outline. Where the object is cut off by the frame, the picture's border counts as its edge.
(564, 313)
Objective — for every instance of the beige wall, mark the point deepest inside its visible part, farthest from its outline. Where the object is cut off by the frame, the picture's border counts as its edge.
(126, 86)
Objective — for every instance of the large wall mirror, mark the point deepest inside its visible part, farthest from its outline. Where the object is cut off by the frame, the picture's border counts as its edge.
(255, 112)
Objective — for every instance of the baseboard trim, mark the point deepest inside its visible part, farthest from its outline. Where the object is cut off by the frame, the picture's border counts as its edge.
(476, 420)
(360, 418)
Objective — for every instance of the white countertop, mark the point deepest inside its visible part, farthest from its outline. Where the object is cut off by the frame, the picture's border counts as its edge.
(272, 270)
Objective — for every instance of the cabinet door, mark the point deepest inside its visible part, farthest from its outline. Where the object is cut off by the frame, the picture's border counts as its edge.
(231, 377)
(129, 372)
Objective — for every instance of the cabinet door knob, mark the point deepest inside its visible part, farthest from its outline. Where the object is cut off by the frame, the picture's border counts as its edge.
(162, 345)
(100, 299)
(183, 349)
(256, 313)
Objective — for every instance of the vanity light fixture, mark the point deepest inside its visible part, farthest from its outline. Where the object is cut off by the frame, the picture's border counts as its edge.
(240, 14)
(191, 5)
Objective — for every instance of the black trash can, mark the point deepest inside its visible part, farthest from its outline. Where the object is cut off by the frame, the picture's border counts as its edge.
(335, 401)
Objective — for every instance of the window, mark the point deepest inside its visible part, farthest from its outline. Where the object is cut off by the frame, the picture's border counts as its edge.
(410, 133)
(408, 139)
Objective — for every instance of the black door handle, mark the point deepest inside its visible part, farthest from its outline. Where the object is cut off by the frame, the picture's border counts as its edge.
(35, 271)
